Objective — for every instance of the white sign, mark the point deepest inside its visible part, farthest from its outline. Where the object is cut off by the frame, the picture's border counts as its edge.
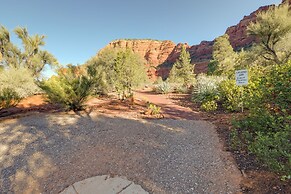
(241, 77)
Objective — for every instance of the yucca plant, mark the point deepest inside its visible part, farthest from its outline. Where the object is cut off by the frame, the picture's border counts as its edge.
(71, 87)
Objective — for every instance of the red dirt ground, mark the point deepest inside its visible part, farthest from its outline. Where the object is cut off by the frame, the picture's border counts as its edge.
(34, 103)
(175, 106)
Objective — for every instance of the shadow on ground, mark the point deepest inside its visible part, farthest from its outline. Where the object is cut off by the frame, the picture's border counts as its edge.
(45, 153)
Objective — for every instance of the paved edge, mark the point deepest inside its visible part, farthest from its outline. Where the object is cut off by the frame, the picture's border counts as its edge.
(104, 184)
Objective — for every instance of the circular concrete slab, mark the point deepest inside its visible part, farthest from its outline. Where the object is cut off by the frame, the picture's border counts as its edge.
(105, 185)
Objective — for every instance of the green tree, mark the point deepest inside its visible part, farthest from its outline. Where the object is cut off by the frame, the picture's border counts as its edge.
(273, 29)
(104, 63)
(119, 70)
(32, 57)
(224, 55)
(10, 54)
(212, 67)
(182, 70)
(129, 72)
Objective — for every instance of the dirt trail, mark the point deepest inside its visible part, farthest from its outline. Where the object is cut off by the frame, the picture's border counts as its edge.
(169, 107)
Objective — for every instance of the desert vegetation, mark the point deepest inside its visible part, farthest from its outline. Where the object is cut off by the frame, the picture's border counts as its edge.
(181, 77)
(118, 70)
(71, 87)
(20, 73)
(111, 70)
(265, 130)
(20, 68)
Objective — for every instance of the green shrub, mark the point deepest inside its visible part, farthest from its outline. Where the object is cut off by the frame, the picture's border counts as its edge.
(159, 80)
(206, 91)
(181, 89)
(273, 149)
(276, 90)
(232, 95)
(267, 136)
(212, 67)
(209, 106)
(269, 141)
(235, 97)
(235, 140)
(8, 98)
(163, 88)
(266, 131)
(154, 109)
(1, 66)
(70, 88)
(20, 80)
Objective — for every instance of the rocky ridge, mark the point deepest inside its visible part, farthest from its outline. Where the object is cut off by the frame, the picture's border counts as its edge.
(161, 55)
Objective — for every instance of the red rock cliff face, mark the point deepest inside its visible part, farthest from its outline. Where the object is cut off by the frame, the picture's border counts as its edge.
(163, 54)
(238, 34)
(154, 52)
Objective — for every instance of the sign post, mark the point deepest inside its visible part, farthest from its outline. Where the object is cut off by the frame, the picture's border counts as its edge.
(241, 79)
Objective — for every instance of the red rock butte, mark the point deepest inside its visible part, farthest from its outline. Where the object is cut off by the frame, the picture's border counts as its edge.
(161, 55)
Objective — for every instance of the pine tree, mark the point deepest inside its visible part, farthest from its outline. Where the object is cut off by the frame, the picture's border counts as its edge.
(129, 72)
(224, 55)
(273, 28)
(182, 70)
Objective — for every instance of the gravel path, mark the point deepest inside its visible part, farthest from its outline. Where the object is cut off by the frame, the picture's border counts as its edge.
(45, 153)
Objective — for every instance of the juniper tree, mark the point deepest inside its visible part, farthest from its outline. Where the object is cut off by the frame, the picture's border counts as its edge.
(104, 62)
(129, 72)
(224, 55)
(273, 29)
(182, 70)
(119, 70)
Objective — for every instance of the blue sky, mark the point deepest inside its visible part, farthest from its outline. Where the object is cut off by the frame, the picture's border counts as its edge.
(77, 29)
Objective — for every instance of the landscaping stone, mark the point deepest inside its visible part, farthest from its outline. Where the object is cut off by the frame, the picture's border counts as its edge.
(105, 185)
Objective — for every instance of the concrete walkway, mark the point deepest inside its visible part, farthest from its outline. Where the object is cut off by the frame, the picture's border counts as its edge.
(105, 185)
